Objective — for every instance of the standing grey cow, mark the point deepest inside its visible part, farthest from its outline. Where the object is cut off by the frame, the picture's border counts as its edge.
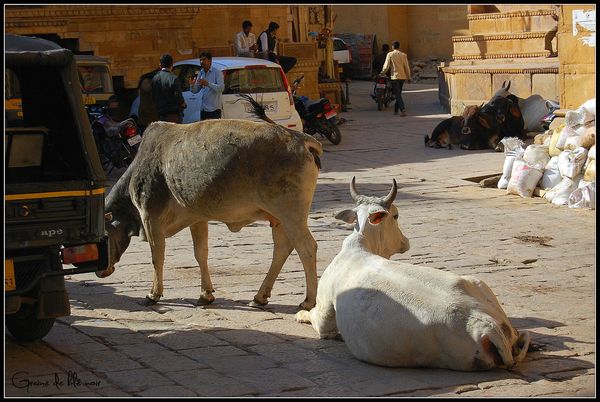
(232, 171)
(401, 315)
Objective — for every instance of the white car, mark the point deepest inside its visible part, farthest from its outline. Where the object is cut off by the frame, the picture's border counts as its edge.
(264, 80)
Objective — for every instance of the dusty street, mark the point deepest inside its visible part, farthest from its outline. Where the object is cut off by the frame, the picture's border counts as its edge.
(538, 258)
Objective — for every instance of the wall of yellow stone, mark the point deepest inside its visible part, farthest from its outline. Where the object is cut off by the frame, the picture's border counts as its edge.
(577, 60)
(423, 31)
(134, 37)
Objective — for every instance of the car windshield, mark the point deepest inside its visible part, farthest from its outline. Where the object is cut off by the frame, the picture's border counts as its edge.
(94, 79)
(253, 80)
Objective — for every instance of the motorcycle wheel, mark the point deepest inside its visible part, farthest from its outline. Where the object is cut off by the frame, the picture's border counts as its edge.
(380, 103)
(332, 132)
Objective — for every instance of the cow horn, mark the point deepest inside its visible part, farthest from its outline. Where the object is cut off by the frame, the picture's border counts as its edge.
(508, 86)
(503, 84)
(387, 201)
(353, 192)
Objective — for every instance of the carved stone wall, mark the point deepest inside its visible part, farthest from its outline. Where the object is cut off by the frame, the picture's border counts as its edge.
(133, 37)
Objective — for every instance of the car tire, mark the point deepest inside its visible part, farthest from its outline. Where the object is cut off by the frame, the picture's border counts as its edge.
(25, 326)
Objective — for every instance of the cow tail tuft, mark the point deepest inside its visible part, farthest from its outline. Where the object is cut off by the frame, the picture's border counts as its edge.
(258, 109)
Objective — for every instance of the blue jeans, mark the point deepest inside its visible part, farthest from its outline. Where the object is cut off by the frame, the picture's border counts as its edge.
(397, 88)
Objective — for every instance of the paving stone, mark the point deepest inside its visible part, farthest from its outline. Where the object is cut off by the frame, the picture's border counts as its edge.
(213, 352)
(138, 379)
(186, 339)
(168, 391)
(209, 383)
(274, 380)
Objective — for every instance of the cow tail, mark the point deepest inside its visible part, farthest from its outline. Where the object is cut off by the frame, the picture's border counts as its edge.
(258, 109)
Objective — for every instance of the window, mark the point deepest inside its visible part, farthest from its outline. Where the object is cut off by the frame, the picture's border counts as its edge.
(94, 79)
(13, 110)
(253, 80)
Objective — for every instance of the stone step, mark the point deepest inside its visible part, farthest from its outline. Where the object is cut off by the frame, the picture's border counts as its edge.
(506, 45)
(511, 22)
(476, 83)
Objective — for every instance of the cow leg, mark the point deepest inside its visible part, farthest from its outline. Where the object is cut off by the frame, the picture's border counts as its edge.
(157, 246)
(305, 244)
(200, 238)
(281, 251)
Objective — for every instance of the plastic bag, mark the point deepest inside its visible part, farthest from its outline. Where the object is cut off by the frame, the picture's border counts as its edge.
(537, 156)
(551, 175)
(553, 150)
(523, 179)
(512, 144)
(564, 134)
(506, 171)
(584, 196)
(573, 142)
(570, 163)
(559, 194)
(589, 172)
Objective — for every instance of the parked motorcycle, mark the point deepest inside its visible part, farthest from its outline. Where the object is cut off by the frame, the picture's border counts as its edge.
(117, 142)
(317, 116)
(382, 93)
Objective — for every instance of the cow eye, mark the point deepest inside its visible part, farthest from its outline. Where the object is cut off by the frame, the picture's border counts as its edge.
(396, 216)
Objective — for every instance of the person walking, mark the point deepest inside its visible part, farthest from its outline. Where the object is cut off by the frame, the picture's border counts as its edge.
(210, 85)
(267, 46)
(397, 61)
(245, 41)
(166, 92)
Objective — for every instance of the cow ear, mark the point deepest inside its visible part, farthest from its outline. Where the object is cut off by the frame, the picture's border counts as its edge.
(515, 112)
(376, 217)
(347, 215)
(484, 122)
(108, 217)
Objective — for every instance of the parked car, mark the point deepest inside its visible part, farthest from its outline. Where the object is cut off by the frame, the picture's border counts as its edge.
(341, 51)
(54, 186)
(264, 80)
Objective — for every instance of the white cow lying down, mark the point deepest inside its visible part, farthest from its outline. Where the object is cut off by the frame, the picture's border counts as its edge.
(401, 315)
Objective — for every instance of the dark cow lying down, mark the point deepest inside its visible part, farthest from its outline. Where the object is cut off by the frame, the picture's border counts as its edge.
(448, 132)
(232, 171)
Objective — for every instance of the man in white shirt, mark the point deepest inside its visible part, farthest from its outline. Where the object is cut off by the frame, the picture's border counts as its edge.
(398, 62)
(245, 41)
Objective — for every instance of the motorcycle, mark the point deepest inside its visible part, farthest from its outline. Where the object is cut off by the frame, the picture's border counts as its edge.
(117, 142)
(317, 116)
(382, 93)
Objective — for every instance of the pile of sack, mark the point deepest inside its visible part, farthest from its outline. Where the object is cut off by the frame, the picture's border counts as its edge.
(561, 161)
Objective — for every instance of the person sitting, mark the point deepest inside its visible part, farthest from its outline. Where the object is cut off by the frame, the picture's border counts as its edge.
(267, 46)
(245, 41)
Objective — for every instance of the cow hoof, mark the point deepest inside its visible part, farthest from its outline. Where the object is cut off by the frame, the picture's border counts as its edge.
(303, 316)
(206, 299)
(305, 305)
(150, 300)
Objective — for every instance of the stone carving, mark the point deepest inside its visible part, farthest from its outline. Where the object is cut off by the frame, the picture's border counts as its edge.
(315, 15)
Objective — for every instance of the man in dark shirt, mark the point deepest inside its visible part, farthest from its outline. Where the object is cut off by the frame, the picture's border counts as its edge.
(166, 92)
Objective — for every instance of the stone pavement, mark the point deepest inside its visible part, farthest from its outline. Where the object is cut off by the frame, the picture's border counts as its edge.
(537, 257)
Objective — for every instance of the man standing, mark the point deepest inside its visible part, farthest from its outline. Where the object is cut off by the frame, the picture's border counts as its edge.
(166, 92)
(267, 46)
(210, 85)
(245, 41)
(398, 62)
